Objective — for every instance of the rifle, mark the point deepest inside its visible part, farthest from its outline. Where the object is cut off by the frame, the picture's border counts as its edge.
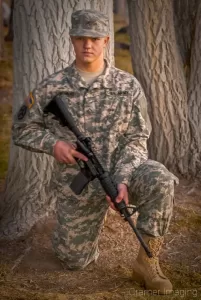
(92, 168)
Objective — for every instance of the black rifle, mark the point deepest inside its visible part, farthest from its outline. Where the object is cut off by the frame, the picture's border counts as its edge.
(92, 168)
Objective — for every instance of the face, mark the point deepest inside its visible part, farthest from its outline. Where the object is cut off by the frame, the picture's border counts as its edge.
(88, 49)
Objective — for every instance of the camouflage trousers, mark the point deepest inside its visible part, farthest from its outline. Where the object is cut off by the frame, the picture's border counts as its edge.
(80, 218)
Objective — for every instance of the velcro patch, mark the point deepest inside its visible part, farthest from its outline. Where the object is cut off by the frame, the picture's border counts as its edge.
(22, 112)
(29, 101)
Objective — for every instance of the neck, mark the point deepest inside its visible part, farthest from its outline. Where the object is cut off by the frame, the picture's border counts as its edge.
(94, 66)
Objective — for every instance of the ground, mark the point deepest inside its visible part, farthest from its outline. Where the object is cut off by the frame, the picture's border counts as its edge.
(29, 269)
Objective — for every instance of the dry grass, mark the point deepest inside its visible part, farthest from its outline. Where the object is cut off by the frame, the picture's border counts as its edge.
(5, 128)
(122, 38)
(122, 57)
(188, 287)
(123, 60)
(6, 82)
(6, 66)
(186, 217)
(102, 281)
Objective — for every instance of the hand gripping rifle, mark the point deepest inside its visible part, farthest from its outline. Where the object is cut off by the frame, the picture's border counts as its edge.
(92, 168)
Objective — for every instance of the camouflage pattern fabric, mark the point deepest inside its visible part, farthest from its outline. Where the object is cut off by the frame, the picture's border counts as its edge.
(109, 111)
(152, 191)
(89, 23)
(80, 218)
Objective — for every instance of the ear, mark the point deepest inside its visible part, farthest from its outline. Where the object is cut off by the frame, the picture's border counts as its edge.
(106, 40)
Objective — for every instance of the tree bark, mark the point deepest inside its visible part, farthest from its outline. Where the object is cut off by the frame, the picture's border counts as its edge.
(158, 66)
(194, 97)
(9, 36)
(41, 47)
(121, 8)
(184, 21)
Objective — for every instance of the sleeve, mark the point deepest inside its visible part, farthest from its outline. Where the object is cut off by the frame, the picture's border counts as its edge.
(29, 130)
(132, 150)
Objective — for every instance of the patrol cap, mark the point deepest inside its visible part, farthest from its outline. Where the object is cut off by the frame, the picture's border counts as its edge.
(89, 23)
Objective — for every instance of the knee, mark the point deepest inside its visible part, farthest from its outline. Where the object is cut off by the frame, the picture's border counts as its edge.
(153, 181)
(72, 260)
(159, 176)
(74, 257)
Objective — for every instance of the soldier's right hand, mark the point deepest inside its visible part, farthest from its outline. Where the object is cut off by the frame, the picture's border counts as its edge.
(65, 152)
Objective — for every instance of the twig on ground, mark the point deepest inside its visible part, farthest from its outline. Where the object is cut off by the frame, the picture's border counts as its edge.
(20, 258)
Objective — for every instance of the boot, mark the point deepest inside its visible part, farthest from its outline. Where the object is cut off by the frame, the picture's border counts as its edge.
(147, 270)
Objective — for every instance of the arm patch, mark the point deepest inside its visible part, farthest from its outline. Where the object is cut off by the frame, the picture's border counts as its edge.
(29, 101)
(22, 112)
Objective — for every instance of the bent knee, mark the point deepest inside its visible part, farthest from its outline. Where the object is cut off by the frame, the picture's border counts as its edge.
(159, 174)
(73, 263)
(75, 260)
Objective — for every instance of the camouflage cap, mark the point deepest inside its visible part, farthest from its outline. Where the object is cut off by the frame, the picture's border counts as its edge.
(90, 23)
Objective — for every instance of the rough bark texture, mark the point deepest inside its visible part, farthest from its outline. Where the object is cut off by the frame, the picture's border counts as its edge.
(158, 66)
(184, 19)
(194, 97)
(187, 24)
(41, 47)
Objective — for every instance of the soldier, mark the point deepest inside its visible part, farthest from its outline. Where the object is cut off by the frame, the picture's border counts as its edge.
(106, 104)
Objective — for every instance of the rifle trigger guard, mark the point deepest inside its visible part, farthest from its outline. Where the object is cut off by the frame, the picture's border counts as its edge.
(132, 209)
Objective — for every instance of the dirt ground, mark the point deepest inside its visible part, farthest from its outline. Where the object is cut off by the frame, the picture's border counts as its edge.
(30, 270)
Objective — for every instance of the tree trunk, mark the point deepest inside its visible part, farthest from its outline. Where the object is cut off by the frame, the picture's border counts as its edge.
(1, 32)
(9, 36)
(121, 8)
(194, 97)
(41, 47)
(158, 66)
(184, 20)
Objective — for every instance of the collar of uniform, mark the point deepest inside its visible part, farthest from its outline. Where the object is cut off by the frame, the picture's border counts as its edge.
(105, 80)
(75, 77)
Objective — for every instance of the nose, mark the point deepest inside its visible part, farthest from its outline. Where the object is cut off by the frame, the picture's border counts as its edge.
(87, 43)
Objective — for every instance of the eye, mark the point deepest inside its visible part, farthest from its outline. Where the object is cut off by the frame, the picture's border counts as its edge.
(96, 39)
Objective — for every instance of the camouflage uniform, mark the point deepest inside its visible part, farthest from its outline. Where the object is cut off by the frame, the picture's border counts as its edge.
(109, 111)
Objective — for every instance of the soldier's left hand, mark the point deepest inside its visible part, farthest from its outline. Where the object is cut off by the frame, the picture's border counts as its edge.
(122, 195)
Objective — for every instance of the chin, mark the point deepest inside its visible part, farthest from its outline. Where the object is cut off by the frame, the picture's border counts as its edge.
(87, 60)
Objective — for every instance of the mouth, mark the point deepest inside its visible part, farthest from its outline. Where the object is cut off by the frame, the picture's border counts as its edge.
(87, 53)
